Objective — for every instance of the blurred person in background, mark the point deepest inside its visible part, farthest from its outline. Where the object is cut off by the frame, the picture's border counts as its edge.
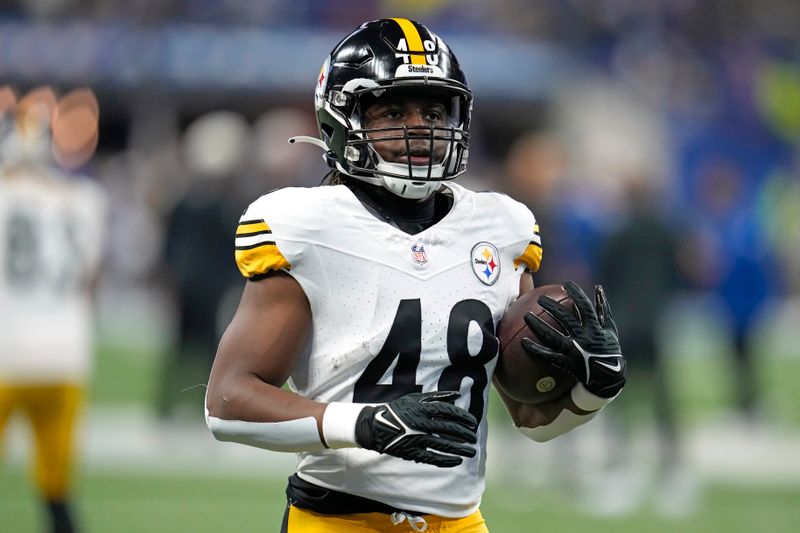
(391, 273)
(639, 267)
(197, 254)
(738, 267)
(52, 225)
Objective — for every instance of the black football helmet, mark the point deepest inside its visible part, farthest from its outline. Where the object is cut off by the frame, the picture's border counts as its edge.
(379, 58)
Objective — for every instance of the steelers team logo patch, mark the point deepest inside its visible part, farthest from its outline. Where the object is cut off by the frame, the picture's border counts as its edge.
(485, 262)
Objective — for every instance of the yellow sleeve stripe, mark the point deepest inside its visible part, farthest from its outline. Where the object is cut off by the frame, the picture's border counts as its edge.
(413, 40)
(252, 227)
(532, 257)
(536, 229)
(260, 259)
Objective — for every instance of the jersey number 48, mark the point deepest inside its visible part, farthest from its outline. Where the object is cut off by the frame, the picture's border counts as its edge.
(404, 345)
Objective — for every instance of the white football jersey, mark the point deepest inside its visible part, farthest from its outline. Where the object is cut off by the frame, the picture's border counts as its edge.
(395, 313)
(51, 234)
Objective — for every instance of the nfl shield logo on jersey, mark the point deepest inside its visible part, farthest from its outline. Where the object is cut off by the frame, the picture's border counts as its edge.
(485, 262)
(418, 253)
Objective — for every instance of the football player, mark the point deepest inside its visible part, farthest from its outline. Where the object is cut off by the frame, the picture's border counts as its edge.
(377, 295)
(51, 235)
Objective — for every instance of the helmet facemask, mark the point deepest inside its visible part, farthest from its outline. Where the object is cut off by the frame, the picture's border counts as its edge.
(445, 145)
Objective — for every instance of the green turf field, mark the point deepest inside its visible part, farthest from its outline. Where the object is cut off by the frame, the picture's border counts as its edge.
(130, 504)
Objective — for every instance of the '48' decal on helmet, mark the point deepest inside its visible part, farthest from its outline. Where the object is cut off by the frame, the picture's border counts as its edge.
(430, 46)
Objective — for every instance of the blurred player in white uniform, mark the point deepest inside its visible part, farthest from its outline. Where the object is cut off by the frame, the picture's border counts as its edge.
(51, 234)
(377, 297)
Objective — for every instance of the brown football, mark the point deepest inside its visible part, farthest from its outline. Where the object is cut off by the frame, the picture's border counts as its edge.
(518, 375)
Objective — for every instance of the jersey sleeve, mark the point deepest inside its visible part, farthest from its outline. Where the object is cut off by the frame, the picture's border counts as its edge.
(528, 241)
(265, 236)
(531, 257)
(256, 253)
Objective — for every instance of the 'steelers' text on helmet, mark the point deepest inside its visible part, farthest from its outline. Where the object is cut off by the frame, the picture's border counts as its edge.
(378, 58)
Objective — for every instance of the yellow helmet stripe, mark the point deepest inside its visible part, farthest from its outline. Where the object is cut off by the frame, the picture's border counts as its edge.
(413, 40)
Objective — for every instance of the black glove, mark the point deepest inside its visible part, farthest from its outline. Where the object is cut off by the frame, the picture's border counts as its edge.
(590, 350)
(418, 427)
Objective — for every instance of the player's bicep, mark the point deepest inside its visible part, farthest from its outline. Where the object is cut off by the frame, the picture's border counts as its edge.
(267, 334)
(525, 283)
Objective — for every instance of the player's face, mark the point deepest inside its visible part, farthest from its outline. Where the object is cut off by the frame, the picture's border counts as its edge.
(397, 111)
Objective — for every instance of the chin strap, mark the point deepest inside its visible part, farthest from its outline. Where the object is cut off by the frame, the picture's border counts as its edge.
(309, 140)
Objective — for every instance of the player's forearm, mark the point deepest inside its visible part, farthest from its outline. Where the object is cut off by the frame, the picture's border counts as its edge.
(247, 410)
(565, 422)
(543, 422)
(267, 417)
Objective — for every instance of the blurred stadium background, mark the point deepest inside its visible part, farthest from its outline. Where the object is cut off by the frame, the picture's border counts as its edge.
(681, 117)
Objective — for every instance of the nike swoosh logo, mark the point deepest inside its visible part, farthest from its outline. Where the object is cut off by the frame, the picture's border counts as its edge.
(616, 367)
(380, 417)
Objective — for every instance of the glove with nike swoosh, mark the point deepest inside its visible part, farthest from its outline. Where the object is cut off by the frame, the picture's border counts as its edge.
(422, 427)
(590, 351)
